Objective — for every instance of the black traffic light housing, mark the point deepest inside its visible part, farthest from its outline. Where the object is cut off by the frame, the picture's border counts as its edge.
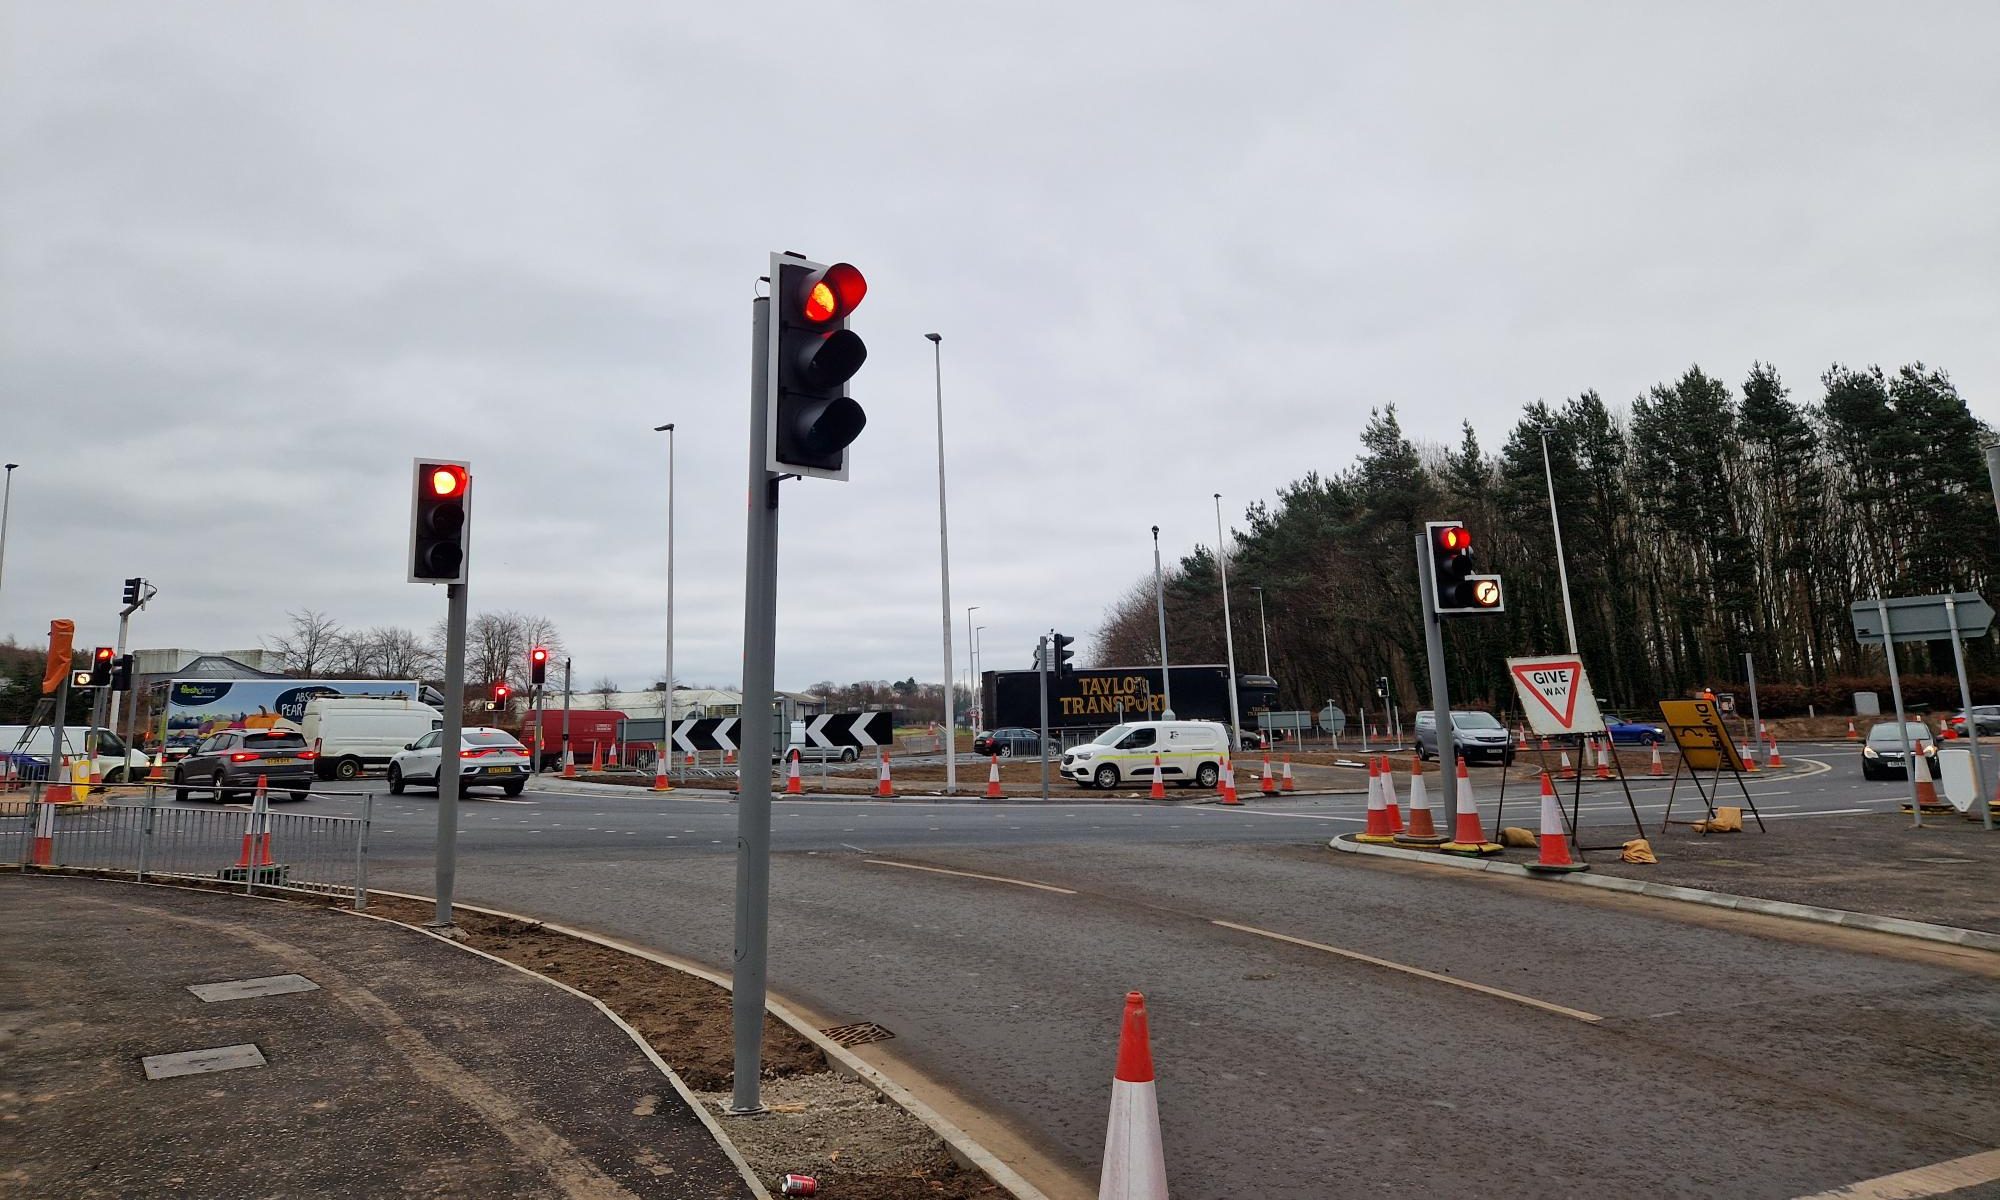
(121, 673)
(1063, 653)
(1456, 589)
(538, 665)
(500, 693)
(131, 594)
(440, 504)
(100, 666)
(811, 355)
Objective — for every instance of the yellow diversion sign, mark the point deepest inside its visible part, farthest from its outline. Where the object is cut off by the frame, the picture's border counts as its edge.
(1697, 728)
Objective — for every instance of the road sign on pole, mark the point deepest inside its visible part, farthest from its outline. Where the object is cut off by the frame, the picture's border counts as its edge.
(1921, 618)
(1555, 693)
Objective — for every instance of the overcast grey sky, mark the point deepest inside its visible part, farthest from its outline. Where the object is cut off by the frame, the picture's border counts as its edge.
(259, 255)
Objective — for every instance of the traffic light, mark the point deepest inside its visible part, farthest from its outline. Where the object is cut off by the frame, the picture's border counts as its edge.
(121, 673)
(1382, 687)
(438, 505)
(100, 666)
(1063, 653)
(500, 693)
(1041, 653)
(132, 587)
(1455, 588)
(538, 665)
(812, 355)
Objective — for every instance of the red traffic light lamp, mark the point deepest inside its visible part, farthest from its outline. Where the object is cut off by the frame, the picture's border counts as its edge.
(500, 693)
(447, 480)
(538, 665)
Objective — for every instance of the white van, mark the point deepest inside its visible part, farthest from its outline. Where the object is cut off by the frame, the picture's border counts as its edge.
(113, 762)
(351, 733)
(1189, 753)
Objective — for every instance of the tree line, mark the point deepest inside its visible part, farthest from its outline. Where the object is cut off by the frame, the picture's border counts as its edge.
(315, 645)
(1700, 523)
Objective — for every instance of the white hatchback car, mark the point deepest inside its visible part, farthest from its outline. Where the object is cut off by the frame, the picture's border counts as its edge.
(487, 758)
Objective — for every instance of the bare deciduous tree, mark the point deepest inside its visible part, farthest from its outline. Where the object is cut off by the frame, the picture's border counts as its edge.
(312, 643)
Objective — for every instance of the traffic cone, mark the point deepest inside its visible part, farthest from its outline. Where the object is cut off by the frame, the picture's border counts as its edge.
(596, 756)
(1377, 830)
(1927, 797)
(660, 783)
(1229, 795)
(1603, 757)
(1422, 832)
(1135, 1162)
(1268, 784)
(1568, 771)
(1774, 760)
(729, 758)
(1656, 767)
(793, 787)
(993, 791)
(689, 761)
(1852, 734)
(611, 755)
(159, 768)
(45, 834)
(1468, 838)
(1750, 756)
(1554, 841)
(569, 763)
(58, 789)
(1389, 796)
(1159, 791)
(248, 856)
(260, 808)
(883, 785)
(1285, 783)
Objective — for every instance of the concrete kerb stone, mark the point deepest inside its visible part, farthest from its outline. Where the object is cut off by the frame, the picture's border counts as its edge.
(1897, 926)
(960, 1145)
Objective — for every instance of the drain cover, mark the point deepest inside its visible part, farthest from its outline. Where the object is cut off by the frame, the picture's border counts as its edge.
(860, 1033)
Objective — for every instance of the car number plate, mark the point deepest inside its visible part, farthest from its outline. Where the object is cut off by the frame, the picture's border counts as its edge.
(499, 770)
(279, 762)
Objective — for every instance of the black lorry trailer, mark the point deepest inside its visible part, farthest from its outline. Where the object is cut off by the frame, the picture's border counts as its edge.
(1095, 698)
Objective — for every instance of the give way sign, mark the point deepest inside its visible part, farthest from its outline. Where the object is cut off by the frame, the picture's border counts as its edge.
(1555, 693)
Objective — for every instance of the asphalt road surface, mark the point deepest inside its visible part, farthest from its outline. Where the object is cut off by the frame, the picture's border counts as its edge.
(1320, 1024)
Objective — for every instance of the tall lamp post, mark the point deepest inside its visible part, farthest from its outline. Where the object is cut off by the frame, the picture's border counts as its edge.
(1228, 634)
(944, 573)
(6, 509)
(667, 696)
(978, 690)
(1263, 630)
(971, 671)
(1555, 523)
(1160, 602)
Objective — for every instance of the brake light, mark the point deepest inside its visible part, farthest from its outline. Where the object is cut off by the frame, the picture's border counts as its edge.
(480, 753)
(309, 754)
(242, 756)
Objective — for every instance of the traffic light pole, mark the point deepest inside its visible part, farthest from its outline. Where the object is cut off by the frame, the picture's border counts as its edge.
(1042, 651)
(753, 807)
(450, 740)
(1440, 693)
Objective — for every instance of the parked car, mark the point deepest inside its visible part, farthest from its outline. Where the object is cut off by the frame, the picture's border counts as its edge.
(487, 757)
(1007, 742)
(1475, 735)
(230, 763)
(1882, 750)
(1188, 753)
(350, 733)
(1632, 733)
(1985, 720)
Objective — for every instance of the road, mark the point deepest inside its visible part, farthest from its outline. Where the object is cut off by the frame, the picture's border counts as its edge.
(1316, 1018)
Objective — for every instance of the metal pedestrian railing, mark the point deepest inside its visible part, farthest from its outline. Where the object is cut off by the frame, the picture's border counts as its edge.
(250, 846)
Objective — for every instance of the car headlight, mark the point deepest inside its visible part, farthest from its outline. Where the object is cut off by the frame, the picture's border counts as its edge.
(1869, 752)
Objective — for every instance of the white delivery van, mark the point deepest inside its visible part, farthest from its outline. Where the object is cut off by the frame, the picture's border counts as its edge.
(113, 761)
(352, 733)
(1189, 753)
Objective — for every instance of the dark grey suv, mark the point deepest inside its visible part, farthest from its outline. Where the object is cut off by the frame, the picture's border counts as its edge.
(230, 763)
(1477, 735)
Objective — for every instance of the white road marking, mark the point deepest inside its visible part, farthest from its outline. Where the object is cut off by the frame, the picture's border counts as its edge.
(1934, 1180)
(1499, 993)
(1026, 883)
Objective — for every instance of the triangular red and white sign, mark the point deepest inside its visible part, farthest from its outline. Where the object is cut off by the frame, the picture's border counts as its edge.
(1555, 694)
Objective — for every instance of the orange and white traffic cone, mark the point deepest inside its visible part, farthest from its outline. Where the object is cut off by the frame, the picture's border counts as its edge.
(159, 768)
(569, 763)
(793, 787)
(1135, 1160)
(1555, 839)
(883, 785)
(1268, 784)
(660, 782)
(1422, 832)
(1468, 838)
(1389, 804)
(260, 808)
(58, 789)
(993, 791)
(1567, 771)
(1750, 756)
(596, 756)
(1285, 783)
(611, 755)
(1656, 767)
(1228, 781)
(1852, 734)
(729, 758)
(689, 761)
(1377, 829)
(1603, 757)
(1927, 797)
(1159, 789)
(1774, 760)
(247, 857)
(44, 854)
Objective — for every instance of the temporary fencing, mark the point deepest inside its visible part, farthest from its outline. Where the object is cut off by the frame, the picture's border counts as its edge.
(140, 835)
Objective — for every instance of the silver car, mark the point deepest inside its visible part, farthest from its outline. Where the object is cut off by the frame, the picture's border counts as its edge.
(1475, 735)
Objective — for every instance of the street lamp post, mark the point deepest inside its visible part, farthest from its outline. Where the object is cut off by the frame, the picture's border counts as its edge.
(667, 696)
(1160, 603)
(1228, 634)
(1555, 523)
(6, 509)
(1263, 630)
(978, 690)
(971, 670)
(944, 572)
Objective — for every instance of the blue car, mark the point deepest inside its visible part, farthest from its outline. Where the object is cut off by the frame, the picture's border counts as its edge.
(1632, 733)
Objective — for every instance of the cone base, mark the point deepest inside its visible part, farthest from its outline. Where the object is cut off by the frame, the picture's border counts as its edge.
(1555, 868)
(1420, 841)
(1375, 839)
(1931, 808)
(1472, 849)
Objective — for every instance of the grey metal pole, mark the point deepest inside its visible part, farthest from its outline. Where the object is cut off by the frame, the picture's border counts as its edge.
(1979, 796)
(450, 740)
(1042, 687)
(978, 681)
(944, 572)
(971, 679)
(1160, 602)
(1263, 631)
(565, 731)
(1555, 523)
(361, 851)
(1902, 726)
(667, 696)
(6, 510)
(1440, 691)
(753, 808)
(1756, 717)
(1228, 634)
